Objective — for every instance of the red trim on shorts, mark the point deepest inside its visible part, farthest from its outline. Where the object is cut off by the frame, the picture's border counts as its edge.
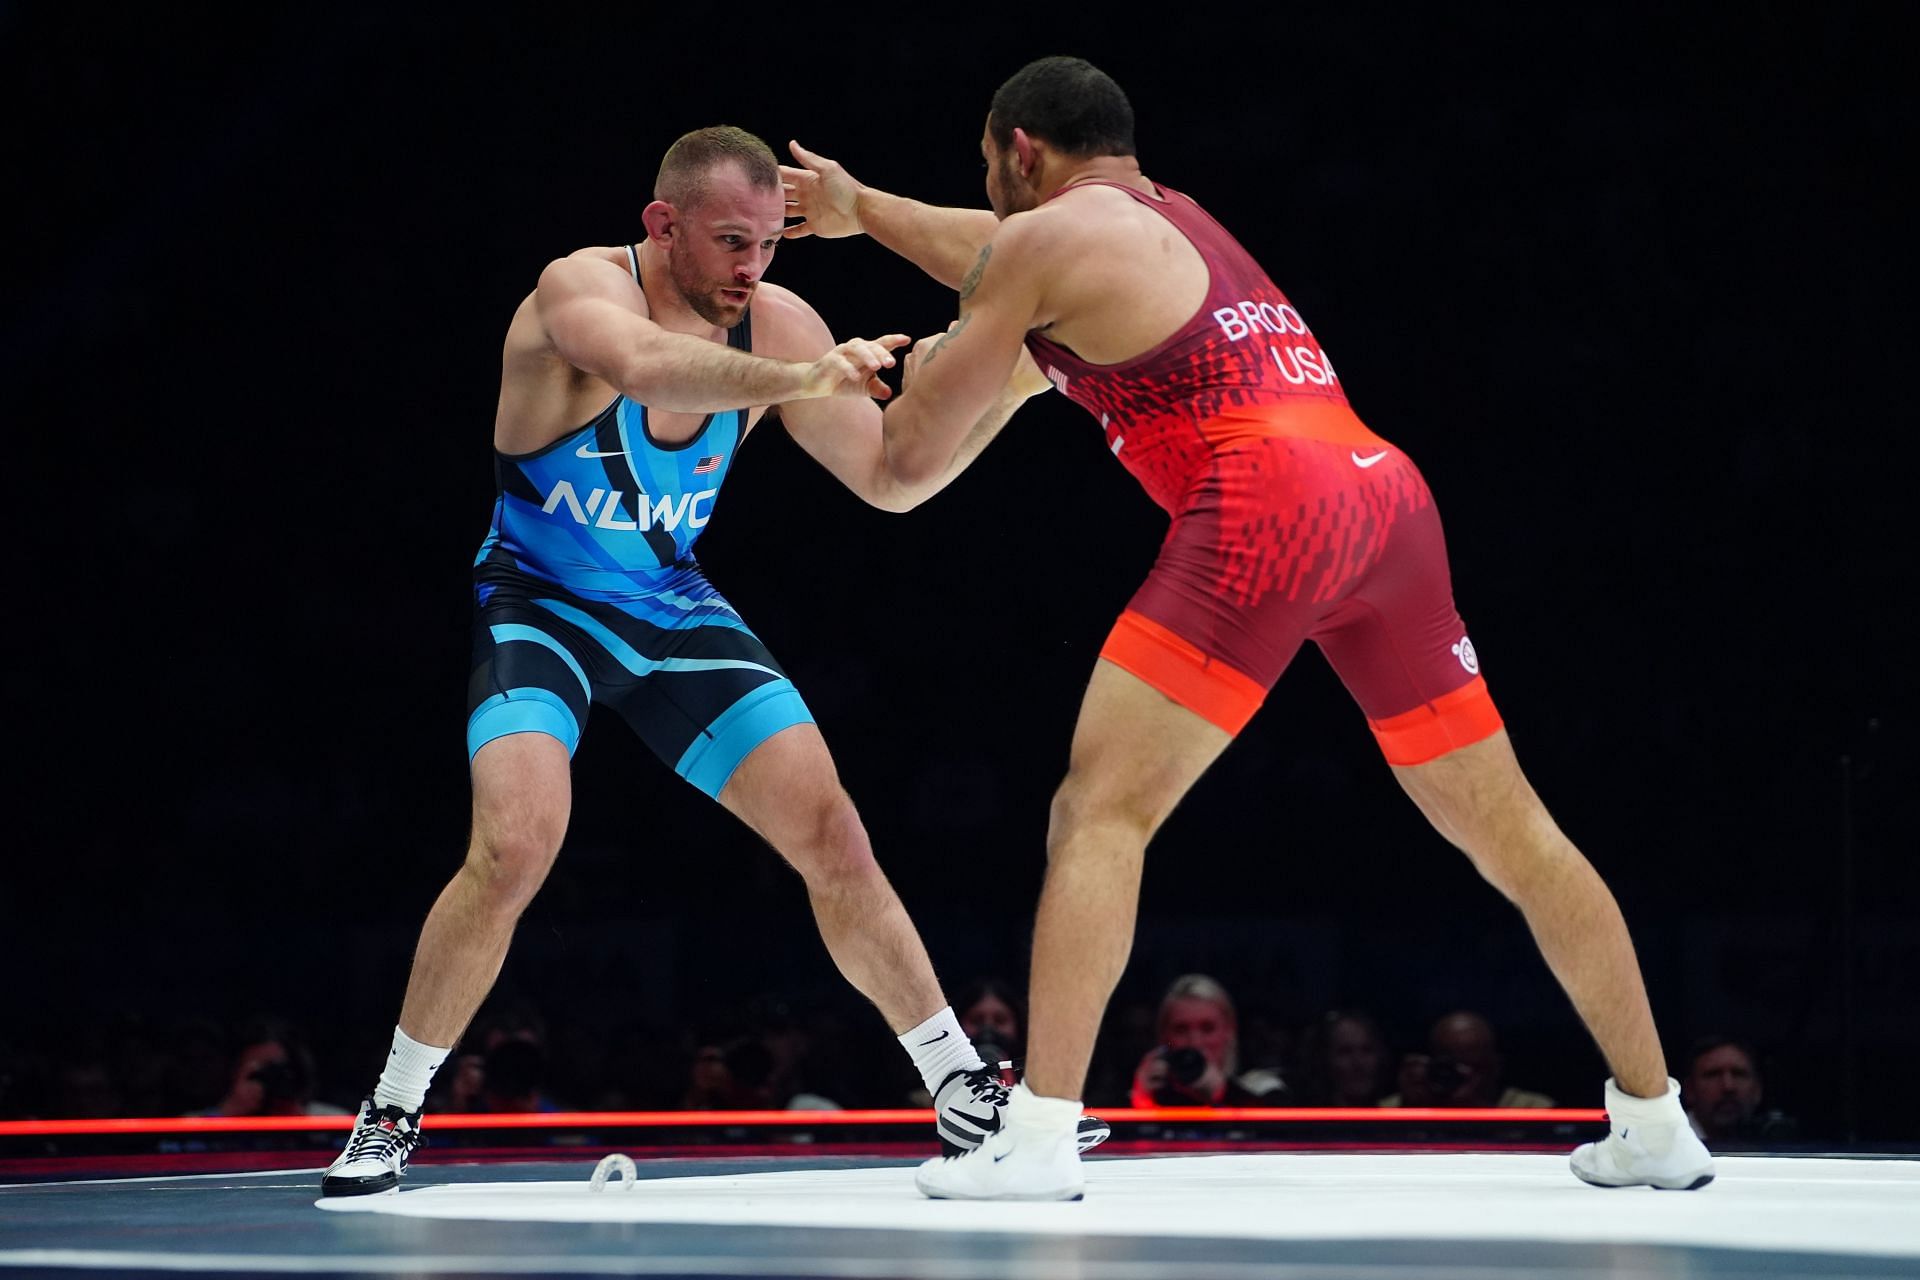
(1203, 685)
(1429, 731)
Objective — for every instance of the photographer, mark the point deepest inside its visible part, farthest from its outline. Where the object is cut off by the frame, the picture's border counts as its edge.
(993, 1017)
(272, 1076)
(1462, 1068)
(1197, 1062)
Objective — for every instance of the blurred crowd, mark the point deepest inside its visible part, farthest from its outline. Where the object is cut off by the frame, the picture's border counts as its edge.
(1191, 1049)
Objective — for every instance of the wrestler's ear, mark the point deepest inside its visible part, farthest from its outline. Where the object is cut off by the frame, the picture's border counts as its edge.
(661, 220)
(1023, 152)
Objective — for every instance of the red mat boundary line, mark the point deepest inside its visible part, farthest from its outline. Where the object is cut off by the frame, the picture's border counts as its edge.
(802, 1119)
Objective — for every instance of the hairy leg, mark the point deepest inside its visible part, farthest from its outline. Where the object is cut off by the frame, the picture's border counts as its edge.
(1135, 754)
(1477, 797)
(522, 794)
(788, 790)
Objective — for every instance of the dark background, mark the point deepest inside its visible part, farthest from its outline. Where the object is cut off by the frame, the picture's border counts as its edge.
(1629, 284)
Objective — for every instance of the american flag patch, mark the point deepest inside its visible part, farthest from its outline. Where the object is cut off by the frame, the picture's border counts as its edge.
(705, 465)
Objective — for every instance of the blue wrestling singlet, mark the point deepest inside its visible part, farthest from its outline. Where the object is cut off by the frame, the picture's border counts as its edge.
(586, 591)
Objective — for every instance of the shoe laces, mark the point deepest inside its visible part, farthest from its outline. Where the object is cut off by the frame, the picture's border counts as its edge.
(381, 1131)
(986, 1086)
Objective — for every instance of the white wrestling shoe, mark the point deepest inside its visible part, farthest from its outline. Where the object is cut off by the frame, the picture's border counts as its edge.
(1651, 1145)
(1033, 1155)
(376, 1154)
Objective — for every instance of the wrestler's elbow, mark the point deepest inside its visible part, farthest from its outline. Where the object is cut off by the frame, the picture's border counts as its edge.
(641, 371)
(896, 501)
(909, 481)
(891, 493)
(910, 460)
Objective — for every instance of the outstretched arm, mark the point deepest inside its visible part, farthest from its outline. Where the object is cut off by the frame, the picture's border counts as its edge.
(595, 318)
(942, 242)
(845, 436)
(952, 381)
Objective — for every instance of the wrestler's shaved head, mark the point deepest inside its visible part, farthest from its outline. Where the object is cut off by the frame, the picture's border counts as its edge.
(682, 181)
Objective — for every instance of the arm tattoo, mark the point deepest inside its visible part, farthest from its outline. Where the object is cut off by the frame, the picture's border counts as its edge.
(972, 281)
(967, 287)
(959, 327)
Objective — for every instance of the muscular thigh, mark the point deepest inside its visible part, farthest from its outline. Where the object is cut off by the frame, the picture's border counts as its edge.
(1136, 751)
(788, 789)
(522, 794)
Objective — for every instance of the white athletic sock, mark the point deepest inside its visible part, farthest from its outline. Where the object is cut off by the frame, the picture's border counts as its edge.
(410, 1069)
(939, 1048)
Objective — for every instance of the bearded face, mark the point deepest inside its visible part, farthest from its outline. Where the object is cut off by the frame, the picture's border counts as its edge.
(1007, 192)
(716, 296)
(722, 243)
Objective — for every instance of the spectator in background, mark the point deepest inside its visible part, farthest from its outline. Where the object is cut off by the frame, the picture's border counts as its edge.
(501, 1064)
(729, 1074)
(639, 1076)
(513, 1077)
(709, 1083)
(1344, 1062)
(461, 1084)
(794, 1074)
(994, 1018)
(1723, 1091)
(1197, 1062)
(502, 1020)
(273, 1075)
(1461, 1068)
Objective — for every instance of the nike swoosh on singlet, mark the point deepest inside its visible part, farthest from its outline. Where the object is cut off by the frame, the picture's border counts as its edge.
(1359, 461)
(584, 452)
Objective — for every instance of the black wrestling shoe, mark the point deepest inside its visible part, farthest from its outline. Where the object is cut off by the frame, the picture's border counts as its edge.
(1093, 1132)
(967, 1108)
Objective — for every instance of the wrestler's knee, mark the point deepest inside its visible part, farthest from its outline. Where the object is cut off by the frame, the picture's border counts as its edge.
(1085, 804)
(1516, 847)
(829, 842)
(1479, 799)
(510, 855)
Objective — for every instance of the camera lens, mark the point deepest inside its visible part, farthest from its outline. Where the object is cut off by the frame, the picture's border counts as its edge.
(1186, 1064)
(991, 1051)
(277, 1080)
